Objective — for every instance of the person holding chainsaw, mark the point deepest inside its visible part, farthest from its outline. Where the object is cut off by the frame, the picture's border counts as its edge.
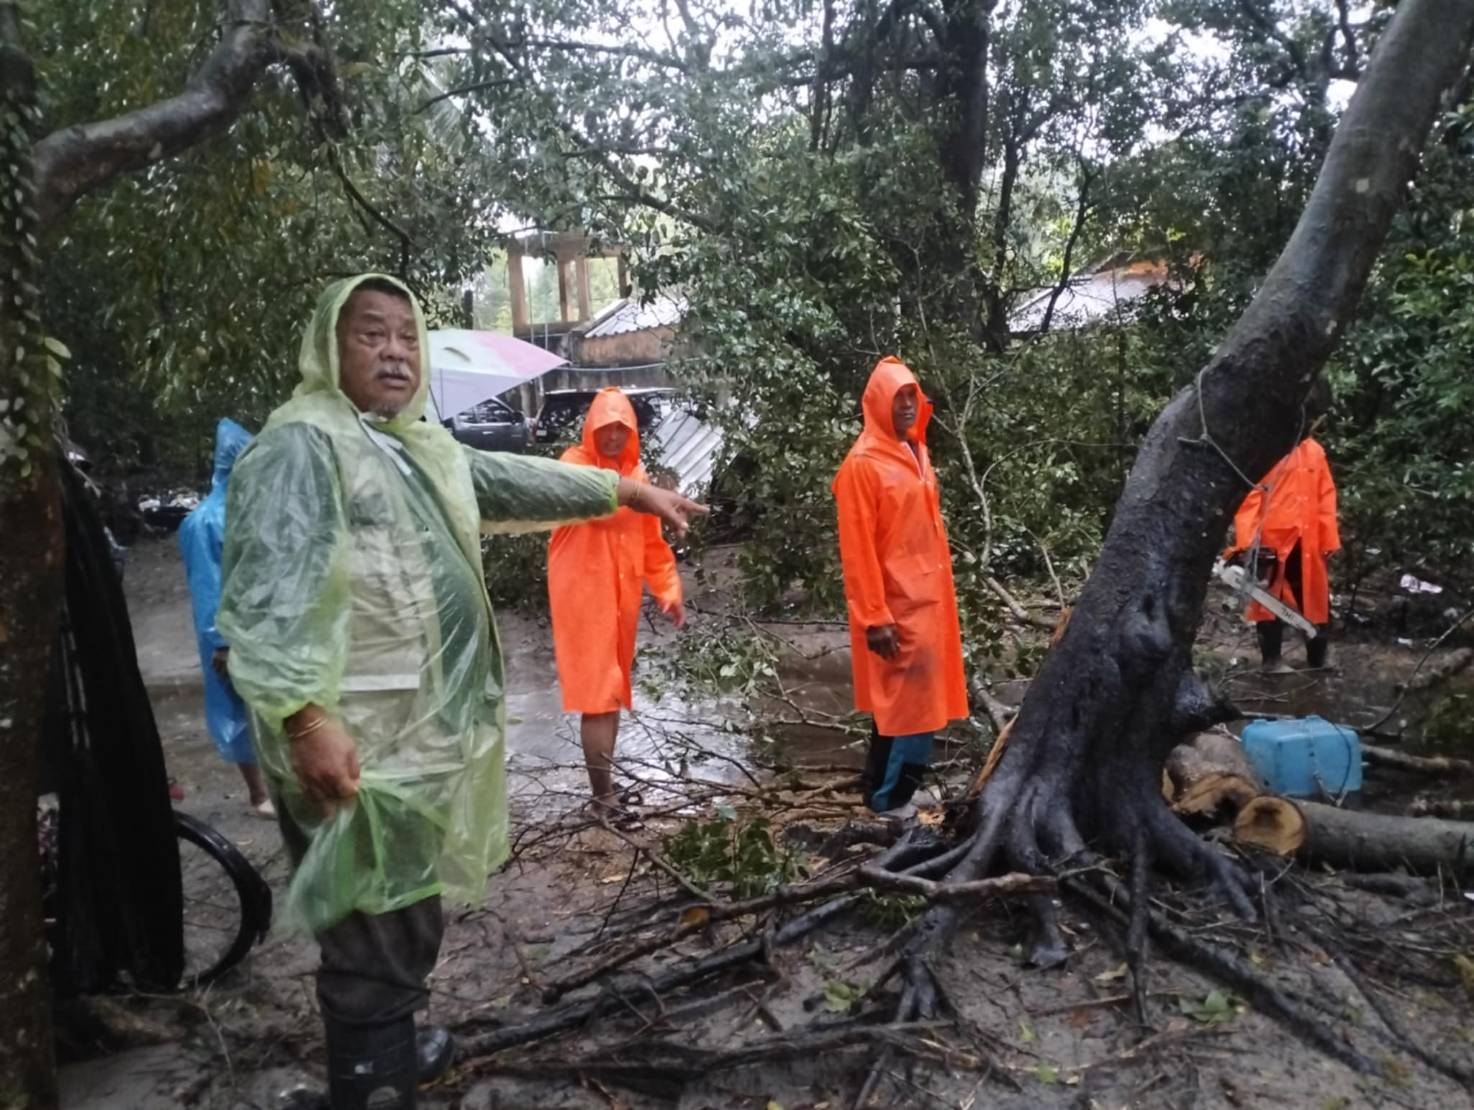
(1284, 531)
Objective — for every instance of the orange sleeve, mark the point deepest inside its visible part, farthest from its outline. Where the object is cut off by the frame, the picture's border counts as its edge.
(1330, 531)
(855, 494)
(661, 576)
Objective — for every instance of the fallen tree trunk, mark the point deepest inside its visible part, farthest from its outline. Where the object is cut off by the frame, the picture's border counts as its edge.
(1455, 808)
(1213, 752)
(1210, 774)
(1423, 764)
(1215, 792)
(1382, 842)
(1457, 662)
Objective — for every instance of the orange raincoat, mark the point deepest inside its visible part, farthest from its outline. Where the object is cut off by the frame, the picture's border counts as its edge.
(596, 574)
(1294, 504)
(898, 568)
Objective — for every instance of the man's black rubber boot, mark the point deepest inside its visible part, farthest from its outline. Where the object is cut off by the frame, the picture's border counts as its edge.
(372, 1067)
(1316, 650)
(1271, 637)
(435, 1051)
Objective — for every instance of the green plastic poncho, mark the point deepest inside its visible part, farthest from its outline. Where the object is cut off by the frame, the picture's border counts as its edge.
(353, 581)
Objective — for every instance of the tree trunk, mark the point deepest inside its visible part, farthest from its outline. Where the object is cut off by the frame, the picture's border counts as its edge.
(1384, 842)
(1118, 692)
(38, 183)
(30, 564)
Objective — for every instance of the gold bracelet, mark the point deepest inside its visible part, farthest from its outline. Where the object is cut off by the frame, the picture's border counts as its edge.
(308, 730)
(635, 499)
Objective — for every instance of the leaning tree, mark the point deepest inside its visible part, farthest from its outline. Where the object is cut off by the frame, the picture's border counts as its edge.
(1081, 771)
(41, 176)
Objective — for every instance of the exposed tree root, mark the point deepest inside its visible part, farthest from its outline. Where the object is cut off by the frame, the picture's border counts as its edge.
(887, 872)
(664, 1068)
(1460, 1072)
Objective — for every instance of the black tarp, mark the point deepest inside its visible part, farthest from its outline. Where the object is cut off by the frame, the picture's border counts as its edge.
(118, 904)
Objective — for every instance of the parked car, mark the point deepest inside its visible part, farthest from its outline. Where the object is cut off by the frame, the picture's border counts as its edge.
(562, 412)
(491, 426)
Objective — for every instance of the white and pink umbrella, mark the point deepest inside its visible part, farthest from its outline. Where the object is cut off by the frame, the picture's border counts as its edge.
(468, 367)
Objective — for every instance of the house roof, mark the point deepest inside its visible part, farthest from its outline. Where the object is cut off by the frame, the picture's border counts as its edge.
(629, 315)
(1088, 297)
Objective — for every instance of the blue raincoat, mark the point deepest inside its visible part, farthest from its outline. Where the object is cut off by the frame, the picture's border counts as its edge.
(201, 538)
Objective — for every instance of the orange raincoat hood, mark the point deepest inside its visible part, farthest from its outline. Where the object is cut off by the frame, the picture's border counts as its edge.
(609, 406)
(888, 378)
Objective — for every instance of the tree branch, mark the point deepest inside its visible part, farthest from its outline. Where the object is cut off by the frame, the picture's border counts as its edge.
(1082, 209)
(463, 90)
(406, 243)
(73, 161)
(1265, 22)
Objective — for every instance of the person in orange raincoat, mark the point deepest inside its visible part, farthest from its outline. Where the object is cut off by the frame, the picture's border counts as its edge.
(1287, 527)
(905, 642)
(597, 572)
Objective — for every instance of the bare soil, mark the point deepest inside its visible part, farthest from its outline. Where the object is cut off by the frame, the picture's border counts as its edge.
(576, 894)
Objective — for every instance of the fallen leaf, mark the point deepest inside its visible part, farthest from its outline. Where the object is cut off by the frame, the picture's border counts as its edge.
(1212, 1010)
(931, 818)
(1026, 1032)
(694, 917)
(1046, 1073)
(1079, 1019)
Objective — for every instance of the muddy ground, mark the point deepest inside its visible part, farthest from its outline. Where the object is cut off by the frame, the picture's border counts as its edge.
(575, 895)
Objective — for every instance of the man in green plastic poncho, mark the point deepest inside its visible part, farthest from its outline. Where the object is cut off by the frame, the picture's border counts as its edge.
(361, 638)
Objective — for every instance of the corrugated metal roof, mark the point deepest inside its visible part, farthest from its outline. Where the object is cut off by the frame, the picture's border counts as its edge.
(666, 310)
(689, 447)
(1088, 298)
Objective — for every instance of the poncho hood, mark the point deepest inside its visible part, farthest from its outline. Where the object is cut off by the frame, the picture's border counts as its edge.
(610, 406)
(230, 440)
(318, 360)
(888, 378)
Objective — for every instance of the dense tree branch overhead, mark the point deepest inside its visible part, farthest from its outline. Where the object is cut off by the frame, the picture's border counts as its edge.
(77, 159)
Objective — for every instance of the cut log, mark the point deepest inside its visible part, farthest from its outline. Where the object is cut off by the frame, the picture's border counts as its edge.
(1455, 808)
(1423, 764)
(1214, 752)
(1213, 792)
(1275, 824)
(1381, 842)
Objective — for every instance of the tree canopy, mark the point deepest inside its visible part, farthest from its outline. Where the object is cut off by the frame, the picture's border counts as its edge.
(825, 183)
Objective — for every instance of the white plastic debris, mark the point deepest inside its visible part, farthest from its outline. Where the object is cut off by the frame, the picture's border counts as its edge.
(1417, 586)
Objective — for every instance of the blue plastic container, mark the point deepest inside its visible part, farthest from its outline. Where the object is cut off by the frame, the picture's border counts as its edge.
(1305, 758)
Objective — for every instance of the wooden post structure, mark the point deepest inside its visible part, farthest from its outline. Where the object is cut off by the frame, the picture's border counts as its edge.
(565, 309)
(518, 288)
(585, 296)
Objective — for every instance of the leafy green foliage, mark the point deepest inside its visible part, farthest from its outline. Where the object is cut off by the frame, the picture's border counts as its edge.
(182, 290)
(740, 853)
(891, 911)
(1215, 1009)
(725, 658)
(800, 183)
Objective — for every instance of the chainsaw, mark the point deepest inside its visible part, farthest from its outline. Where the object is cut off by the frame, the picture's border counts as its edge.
(1237, 579)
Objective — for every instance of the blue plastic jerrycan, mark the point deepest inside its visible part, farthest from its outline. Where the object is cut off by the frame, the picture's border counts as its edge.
(1306, 757)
